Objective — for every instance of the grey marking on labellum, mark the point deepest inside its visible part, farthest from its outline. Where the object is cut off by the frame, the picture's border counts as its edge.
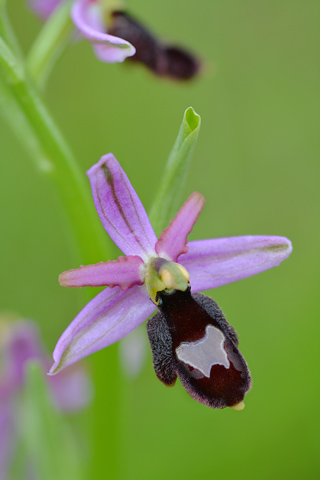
(205, 353)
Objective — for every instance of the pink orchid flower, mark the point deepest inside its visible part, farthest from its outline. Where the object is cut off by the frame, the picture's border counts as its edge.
(189, 336)
(19, 343)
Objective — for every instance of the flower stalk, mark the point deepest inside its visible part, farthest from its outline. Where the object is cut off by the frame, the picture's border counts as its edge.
(35, 128)
(50, 43)
(53, 158)
(6, 31)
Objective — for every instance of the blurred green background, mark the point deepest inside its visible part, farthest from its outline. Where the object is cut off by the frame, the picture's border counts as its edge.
(257, 164)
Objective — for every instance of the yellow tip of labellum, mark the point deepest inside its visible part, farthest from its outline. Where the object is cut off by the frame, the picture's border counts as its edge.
(239, 406)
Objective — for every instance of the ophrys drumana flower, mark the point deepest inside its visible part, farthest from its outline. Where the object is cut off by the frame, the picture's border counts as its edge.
(190, 336)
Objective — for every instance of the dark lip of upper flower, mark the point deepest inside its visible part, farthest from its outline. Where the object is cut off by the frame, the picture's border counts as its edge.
(163, 60)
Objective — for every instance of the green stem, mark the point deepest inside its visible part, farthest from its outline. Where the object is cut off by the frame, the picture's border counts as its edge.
(6, 31)
(50, 43)
(46, 438)
(57, 161)
(16, 120)
(106, 435)
(53, 159)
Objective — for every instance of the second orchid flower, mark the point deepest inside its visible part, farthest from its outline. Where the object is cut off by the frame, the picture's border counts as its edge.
(115, 35)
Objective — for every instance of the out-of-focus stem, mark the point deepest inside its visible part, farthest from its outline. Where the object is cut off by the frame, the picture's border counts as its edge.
(50, 43)
(57, 161)
(28, 116)
(6, 31)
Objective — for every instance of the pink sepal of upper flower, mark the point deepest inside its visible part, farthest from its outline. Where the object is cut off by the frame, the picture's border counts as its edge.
(124, 272)
(87, 17)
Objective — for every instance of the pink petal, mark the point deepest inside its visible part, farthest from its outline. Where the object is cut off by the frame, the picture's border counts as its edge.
(120, 209)
(123, 272)
(216, 262)
(88, 18)
(106, 319)
(173, 239)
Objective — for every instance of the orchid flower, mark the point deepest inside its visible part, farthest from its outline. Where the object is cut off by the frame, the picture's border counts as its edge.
(189, 336)
(19, 343)
(115, 35)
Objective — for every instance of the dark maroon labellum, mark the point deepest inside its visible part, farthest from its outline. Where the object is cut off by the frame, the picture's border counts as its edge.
(163, 60)
(190, 338)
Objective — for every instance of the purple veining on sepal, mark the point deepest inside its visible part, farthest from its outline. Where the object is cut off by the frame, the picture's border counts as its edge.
(123, 272)
(219, 261)
(87, 17)
(120, 209)
(173, 240)
(44, 8)
(110, 316)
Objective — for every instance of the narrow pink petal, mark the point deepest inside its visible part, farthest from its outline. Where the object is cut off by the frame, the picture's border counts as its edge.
(106, 319)
(123, 272)
(173, 239)
(88, 18)
(216, 262)
(120, 209)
